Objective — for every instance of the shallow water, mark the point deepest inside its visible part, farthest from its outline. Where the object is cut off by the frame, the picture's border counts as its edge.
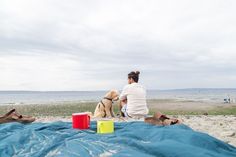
(35, 97)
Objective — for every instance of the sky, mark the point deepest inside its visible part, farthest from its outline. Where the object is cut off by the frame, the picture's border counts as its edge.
(54, 45)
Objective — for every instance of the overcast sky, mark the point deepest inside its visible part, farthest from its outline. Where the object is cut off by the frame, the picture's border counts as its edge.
(93, 45)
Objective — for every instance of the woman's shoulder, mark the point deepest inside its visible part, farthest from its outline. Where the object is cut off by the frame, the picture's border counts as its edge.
(138, 85)
(126, 87)
(133, 85)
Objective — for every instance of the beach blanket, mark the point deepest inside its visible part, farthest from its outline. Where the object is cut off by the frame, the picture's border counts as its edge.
(130, 139)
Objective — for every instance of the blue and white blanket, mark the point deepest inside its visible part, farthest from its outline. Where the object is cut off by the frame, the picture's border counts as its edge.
(130, 139)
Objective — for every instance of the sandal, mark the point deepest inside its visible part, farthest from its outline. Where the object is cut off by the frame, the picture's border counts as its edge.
(22, 118)
(10, 112)
(174, 122)
(161, 119)
(13, 116)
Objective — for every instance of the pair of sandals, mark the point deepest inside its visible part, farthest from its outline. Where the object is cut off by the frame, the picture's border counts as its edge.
(14, 116)
(161, 119)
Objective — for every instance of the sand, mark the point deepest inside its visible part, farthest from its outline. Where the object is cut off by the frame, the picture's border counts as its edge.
(219, 126)
(175, 105)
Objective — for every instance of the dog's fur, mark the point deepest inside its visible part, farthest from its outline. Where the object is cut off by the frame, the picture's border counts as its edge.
(104, 108)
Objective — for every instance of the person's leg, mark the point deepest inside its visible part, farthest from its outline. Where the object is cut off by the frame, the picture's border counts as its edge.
(122, 103)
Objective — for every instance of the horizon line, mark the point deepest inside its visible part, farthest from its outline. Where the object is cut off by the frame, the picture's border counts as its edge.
(171, 89)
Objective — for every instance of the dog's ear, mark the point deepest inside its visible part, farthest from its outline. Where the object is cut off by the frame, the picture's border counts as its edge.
(114, 94)
(109, 94)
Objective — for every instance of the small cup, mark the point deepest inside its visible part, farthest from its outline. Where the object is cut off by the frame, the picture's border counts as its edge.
(105, 126)
(80, 121)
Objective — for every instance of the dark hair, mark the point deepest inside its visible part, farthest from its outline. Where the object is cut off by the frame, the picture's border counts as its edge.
(134, 75)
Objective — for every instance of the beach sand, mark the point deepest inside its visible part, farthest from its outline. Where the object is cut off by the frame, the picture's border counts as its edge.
(219, 126)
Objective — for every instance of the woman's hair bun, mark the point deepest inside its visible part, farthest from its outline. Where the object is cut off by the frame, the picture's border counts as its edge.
(134, 75)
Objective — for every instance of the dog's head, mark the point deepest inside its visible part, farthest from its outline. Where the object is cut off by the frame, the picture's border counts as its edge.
(114, 95)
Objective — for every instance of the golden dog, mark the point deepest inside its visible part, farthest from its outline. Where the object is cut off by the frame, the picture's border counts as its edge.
(104, 108)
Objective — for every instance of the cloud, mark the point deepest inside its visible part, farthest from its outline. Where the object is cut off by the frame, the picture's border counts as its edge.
(78, 45)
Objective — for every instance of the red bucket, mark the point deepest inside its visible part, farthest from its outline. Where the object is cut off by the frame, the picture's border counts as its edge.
(80, 121)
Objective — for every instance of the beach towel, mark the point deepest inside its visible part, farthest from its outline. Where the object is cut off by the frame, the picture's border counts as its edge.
(130, 139)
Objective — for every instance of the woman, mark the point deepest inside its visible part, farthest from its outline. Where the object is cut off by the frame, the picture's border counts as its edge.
(133, 98)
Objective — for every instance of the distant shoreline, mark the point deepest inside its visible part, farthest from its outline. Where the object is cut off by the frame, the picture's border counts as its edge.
(104, 90)
(163, 100)
(44, 97)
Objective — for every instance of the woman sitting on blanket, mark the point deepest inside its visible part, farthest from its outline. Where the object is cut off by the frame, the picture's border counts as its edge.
(14, 116)
(133, 98)
(133, 103)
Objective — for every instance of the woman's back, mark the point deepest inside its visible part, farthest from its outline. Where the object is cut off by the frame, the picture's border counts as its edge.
(136, 99)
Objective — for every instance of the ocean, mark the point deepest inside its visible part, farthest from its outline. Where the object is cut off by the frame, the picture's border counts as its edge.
(44, 97)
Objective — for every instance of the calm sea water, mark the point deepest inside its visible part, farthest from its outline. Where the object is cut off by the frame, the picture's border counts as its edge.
(34, 97)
